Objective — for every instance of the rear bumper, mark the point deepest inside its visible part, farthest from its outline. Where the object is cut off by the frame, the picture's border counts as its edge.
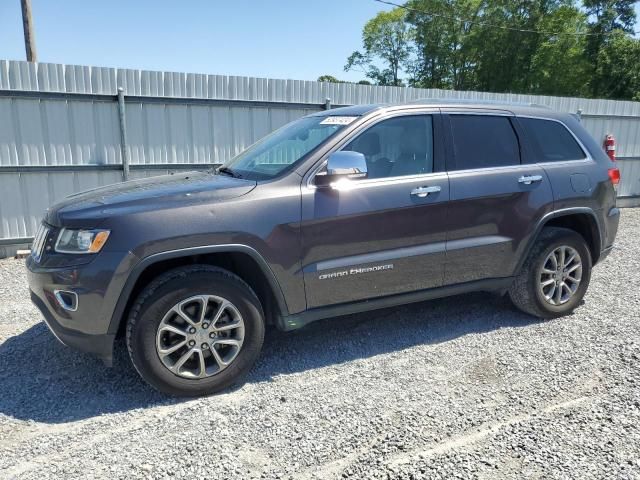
(100, 345)
(611, 222)
(605, 253)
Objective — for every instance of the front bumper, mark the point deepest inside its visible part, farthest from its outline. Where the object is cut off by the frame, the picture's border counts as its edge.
(97, 285)
(100, 345)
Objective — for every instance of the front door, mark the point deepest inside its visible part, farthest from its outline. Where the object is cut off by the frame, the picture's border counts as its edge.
(385, 234)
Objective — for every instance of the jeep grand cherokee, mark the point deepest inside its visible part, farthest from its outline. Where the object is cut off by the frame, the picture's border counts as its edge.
(338, 212)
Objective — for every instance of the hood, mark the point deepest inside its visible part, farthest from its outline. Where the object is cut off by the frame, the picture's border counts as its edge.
(92, 206)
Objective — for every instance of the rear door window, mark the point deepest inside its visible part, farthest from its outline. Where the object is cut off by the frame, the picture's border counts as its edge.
(483, 141)
(551, 141)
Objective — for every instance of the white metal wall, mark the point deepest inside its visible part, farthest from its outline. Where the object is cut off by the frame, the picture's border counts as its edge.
(59, 136)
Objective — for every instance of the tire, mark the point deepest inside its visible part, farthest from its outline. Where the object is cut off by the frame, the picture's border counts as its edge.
(192, 290)
(526, 293)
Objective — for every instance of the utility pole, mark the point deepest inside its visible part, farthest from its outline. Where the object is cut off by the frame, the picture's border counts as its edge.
(29, 37)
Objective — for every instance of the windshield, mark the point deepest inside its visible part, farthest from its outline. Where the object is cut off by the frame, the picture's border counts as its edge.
(281, 149)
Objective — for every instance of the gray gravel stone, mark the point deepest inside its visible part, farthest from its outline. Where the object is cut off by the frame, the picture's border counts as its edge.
(465, 387)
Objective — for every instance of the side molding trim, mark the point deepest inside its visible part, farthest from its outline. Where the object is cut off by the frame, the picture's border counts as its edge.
(298, 320)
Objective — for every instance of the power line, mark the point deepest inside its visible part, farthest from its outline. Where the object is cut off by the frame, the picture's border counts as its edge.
(492, 25)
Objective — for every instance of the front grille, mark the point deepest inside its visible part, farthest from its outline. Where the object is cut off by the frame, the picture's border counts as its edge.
(39, 242)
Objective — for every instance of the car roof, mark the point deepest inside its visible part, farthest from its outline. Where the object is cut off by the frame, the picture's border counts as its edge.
(516, 108)
(353, 110)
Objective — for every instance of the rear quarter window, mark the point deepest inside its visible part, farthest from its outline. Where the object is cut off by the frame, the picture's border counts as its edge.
(551, 141)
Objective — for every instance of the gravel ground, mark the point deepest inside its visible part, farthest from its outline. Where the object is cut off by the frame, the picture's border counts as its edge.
(464, 387)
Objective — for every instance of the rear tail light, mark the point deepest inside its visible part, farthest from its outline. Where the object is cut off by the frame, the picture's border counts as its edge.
(614, 176)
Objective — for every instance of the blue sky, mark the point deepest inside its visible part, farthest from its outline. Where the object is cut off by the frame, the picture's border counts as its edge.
(300, 39)
(265, 38)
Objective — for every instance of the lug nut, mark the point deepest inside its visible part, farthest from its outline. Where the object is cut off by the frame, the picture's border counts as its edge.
(192, 343)
(205, 325)
(212, 335)
(205, 346)
(192, 330)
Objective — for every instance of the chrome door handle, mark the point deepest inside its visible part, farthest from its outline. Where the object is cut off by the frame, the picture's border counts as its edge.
(529, 179)
(424, 191)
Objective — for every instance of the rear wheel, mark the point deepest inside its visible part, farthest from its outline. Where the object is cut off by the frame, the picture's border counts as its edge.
(195, 330)
(555, 276)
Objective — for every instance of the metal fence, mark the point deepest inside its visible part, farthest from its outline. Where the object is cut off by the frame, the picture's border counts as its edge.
(63, 128)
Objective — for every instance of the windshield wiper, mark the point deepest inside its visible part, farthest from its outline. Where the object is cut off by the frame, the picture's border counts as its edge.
(228, 171)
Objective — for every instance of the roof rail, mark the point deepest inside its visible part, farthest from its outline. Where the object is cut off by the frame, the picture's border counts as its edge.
(471, 101)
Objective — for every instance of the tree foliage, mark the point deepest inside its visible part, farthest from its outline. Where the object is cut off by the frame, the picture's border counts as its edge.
(559, 65)
(329, 79)
(332, 79)
(606, 17)
(445, 56)
(386, 38)
(618, 67)
(520, 46)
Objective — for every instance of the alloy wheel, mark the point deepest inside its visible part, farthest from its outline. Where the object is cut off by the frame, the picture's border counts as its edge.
(200, 336)
(561, 275)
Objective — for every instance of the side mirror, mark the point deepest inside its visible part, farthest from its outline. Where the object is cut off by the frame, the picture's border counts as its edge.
(342, 165)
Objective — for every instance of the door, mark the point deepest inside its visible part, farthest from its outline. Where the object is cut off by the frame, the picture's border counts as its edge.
(496, 201)
(574, 175)
(385, 234)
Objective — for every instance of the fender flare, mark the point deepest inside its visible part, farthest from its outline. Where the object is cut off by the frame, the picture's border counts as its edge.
(557, 214)
(143, 264)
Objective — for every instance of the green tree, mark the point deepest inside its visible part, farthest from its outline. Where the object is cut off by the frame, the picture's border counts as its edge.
(496, 45)
(329, 79)
(444, 57)
(606, 17)
(386, 40)
(559, 65)
(610, 15)
(524, 46)
(619, 67)
(516, 45)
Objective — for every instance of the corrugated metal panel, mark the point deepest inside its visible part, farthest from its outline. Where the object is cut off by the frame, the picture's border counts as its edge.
(25, 196)
(630, 178)
(198, 133)
(626, 131)
(63, 132)
(24, 123)
(58, 132)
(18, 75)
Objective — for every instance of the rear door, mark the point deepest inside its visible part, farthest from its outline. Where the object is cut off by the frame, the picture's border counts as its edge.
(496, 201)
(385, 234)
(575, 176)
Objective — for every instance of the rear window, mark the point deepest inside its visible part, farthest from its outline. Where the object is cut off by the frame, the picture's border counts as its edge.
(483, 141)
(552, 142)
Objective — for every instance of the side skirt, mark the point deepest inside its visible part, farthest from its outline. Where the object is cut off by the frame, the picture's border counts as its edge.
(298, 320)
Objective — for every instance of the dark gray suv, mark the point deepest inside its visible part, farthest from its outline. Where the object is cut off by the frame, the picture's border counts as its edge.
(338, 212)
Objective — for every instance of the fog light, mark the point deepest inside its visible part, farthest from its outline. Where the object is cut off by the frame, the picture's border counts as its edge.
(67, 300)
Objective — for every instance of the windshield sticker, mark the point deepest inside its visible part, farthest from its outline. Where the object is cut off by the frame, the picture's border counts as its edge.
(337, 120)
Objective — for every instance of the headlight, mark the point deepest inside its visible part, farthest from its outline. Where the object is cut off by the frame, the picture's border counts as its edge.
(81, 241)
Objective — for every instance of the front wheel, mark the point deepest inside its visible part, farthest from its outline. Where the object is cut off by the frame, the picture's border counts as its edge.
(195, 330)
(555, 276)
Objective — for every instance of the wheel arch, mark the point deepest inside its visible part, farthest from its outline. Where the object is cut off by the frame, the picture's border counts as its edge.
(583, 221)
(239, 259)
